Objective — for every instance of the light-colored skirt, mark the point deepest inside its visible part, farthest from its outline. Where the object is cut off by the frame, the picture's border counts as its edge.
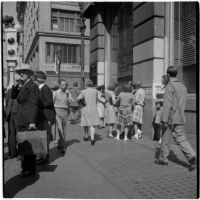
(89, 117)
(101, 110)
(110, 114)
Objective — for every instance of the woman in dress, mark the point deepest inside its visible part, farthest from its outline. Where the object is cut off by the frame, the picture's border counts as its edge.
(125, 101)
(138, 111)
(89, 114)
(110, 112)
(101, 104)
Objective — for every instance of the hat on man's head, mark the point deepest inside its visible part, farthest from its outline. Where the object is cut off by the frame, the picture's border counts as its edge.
(40, 75)
(24, 69)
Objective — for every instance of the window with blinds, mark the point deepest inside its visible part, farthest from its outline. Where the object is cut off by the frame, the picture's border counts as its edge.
(65, 21)
(185, 26)
(70, 53)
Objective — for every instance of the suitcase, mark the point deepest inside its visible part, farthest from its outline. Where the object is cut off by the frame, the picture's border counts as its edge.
(33, 142)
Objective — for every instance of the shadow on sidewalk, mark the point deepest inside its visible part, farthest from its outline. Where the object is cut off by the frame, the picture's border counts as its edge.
(16, 184)
(70, 142)
(172, 157)
(97, 137)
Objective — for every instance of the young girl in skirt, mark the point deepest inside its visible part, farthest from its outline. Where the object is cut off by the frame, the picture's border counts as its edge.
(157, 123)
(125, 101)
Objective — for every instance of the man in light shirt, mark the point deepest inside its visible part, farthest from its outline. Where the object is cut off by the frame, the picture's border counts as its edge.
(61, 99)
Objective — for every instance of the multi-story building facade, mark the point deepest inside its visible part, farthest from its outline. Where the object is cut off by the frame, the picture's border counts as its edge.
(49, 27)
(138, 41)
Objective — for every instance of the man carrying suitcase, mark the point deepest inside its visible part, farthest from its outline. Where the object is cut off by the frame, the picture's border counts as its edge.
(28, 100)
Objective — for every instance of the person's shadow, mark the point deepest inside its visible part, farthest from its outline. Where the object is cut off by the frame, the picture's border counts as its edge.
(17, 183)
(172, 157)
(54, 154)
(97, 137)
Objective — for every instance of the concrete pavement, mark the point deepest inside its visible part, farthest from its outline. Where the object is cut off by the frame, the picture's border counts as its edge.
(108, 170)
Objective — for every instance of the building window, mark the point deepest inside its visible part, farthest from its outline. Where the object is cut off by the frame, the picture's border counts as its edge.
(185, 51)
(65, 21)
(70, 53)
(125, 41)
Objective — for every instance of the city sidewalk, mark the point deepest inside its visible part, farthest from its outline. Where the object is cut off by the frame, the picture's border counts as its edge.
(108, 170)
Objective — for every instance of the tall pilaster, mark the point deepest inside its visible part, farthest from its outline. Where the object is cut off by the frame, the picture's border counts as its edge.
(148, 51)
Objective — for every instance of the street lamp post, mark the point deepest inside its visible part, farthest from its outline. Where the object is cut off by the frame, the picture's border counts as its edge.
(11, 47)
(82, 29)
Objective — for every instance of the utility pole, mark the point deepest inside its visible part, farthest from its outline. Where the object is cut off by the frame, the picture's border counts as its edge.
(82, 29)
(59, 56)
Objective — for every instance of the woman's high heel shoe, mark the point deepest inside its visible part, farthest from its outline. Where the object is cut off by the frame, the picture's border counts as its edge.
(92, 142)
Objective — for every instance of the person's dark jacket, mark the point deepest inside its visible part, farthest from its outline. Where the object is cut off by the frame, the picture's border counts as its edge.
(46, 104)
(11, 103)
(28, 99)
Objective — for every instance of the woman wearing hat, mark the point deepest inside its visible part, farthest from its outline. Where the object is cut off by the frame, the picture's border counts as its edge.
(89, 114)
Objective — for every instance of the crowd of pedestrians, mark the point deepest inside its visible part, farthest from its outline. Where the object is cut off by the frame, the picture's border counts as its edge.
(31, 104)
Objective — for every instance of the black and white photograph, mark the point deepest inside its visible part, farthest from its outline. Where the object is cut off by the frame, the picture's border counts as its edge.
(100, 99)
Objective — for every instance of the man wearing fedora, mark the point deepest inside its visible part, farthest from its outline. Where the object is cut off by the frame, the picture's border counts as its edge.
(173, 120)
(47, 114)
(27, 112)
(11, 111)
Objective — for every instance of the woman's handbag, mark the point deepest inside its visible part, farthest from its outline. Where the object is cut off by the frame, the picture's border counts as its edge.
(82, 102)
(32, 142)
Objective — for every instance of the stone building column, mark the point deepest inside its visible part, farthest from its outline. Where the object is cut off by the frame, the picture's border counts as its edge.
(148, 52)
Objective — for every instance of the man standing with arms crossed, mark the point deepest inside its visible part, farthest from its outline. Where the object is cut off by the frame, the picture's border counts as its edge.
(173, 120)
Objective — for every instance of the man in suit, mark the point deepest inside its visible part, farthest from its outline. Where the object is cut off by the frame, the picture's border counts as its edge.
(47, 114)
(28, 100)
(11, 111)
(173, 120)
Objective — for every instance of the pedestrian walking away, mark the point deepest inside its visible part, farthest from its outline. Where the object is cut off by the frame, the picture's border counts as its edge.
(173, 119)
(89, 114)
(124, 118)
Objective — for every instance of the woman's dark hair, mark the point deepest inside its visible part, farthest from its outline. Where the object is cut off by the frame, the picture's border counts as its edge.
(172, 71)
(89, 83)
(165, 79)
(111, 87)
(101, 87)
(127, 88)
